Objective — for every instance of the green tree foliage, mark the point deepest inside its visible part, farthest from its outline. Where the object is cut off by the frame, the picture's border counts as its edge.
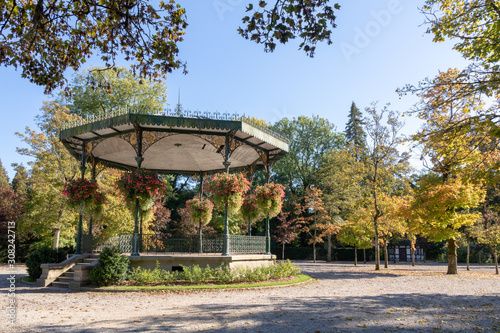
(46, 212)
(4, 179)
(97, 90)
(282, 20)
(488, 233)
(473, 28)
(45, 39)
(442, 207)
(385, 163)
(340, 179)
(453, 147)
(354, 132)
(20, 181)
(310, 139)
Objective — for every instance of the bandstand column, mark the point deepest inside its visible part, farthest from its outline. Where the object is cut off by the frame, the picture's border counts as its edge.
(80, 218)
(268, 177)
(200, 226)
(90, 220)
(138, 159)
(225, 240)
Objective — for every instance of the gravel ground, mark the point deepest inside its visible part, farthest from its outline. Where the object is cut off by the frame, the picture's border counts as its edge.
(343, 298)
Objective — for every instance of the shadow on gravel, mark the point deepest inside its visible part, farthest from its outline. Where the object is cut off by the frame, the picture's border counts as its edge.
(313, 271)
(392, 312)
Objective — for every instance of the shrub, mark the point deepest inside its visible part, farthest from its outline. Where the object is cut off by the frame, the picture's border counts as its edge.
(195, 274)
(44, 255)
(111, 269)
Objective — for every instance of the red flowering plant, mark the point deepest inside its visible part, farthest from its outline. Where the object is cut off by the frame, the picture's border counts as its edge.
(270, 198)
(227, 188)
(142, 185)
(200, 210)
(249, 210)
(84, 196)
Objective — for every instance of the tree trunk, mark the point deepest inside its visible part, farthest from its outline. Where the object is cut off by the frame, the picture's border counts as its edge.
(479, 255)
(386, 255)
(452, 257)
(364, 256)
(394, 256)
(413, 241)
(495, 256)
(377, 245)
(57, 233)
(283, 252)
(424, 253)
(314, 251)
(329, 253)
(355, 255)
(468, 255)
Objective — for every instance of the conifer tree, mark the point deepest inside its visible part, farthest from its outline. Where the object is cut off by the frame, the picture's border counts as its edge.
(354, 132)
(4, 179)
(20, 181)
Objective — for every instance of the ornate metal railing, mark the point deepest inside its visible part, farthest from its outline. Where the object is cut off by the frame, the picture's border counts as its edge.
(247, 244)
(189, 244)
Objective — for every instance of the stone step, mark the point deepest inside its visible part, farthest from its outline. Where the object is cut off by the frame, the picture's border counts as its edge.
(60, 284)
(64, 278)
(89, 260)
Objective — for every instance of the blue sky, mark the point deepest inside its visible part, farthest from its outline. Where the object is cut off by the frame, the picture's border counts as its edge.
(377, 47)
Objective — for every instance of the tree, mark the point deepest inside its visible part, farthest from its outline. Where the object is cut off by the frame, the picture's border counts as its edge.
(47, 215)
(310, 139)
(473, 27)
(288, 19)
(314, 219)
(4, 179)
(20, 181)
(137, 30)
(340, 179)
(286, 231)
(488, 233)
(354, 132)
(443, 208)
(357, 231)
(11, 204)
(452, 147)
(384, 162)
(97, 90)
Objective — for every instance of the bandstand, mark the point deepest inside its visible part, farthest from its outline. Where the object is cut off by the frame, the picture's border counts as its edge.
(180, 143)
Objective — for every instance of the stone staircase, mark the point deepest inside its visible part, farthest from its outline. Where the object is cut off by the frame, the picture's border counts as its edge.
(72, 273)
(63, 281)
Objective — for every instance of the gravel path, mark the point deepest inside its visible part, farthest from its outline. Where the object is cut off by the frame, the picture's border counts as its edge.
(343, 298)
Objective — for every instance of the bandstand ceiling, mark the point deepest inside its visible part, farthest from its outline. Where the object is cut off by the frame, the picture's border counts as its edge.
(171, 144)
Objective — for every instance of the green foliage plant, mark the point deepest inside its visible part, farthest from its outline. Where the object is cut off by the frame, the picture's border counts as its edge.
(43, 255)
(220, 275)
(111, 269)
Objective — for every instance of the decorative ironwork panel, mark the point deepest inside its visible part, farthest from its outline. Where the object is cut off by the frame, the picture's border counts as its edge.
(247, 244)
(212, 245)
(125, 242)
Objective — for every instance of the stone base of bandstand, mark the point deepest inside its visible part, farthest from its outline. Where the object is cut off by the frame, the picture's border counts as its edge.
(175, 262)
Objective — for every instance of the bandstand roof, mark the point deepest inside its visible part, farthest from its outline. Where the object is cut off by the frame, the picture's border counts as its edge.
(173, 144)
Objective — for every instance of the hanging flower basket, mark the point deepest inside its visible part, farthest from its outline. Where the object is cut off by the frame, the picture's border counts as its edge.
(84, 196)
(227, 188)
(200, 210)
(270, 198)
(249, 210)
(142, 185)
